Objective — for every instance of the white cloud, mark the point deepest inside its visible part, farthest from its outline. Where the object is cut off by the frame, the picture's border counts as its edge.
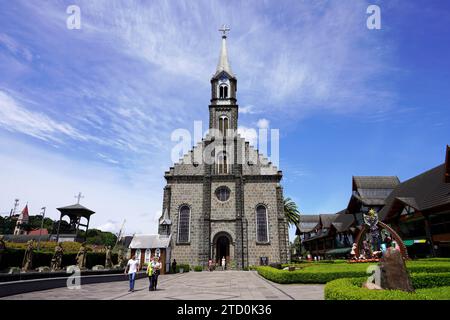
(42, 179)
(15, 117)
(263, 123)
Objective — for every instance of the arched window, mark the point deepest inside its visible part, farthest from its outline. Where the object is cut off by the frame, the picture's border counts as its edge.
(224, 124)
(138, 254)
(148, 253)
(183, 224)
(222, 165)
(223, 91)
(262, 227)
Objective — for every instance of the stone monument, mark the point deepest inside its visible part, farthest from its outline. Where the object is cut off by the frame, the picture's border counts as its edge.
(2, 248)
(108, 259)
(57, 257)
(394, 275)
(81, 256)
(28, 257)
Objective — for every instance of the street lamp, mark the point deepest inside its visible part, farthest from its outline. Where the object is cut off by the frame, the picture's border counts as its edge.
(40, 230)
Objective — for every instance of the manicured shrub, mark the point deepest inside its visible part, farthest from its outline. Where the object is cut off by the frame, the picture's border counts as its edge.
(185, 268)
(198, 268)
(307, 275)
(322, 273)
(434, 286)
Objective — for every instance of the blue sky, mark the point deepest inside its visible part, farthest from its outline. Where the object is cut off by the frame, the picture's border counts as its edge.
(92, 110)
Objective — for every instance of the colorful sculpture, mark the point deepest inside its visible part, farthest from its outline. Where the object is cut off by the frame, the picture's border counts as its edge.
(371, 220)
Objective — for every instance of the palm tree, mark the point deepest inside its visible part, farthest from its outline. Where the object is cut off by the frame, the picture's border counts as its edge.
(291, 211)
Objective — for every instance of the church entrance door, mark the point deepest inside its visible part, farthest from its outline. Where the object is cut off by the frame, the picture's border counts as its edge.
(222, 250)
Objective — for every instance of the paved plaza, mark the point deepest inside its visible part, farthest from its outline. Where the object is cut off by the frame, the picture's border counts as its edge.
(217, 285)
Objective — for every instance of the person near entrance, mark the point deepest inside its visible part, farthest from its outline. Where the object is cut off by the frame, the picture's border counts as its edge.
(210, 265)
(174, 266)
(156, 269)
(223, 263)
(132, 268)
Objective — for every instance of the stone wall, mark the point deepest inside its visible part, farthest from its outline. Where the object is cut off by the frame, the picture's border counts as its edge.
(266, 194)
(192, 195)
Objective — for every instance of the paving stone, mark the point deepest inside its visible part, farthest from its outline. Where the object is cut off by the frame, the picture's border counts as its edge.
(229, 285)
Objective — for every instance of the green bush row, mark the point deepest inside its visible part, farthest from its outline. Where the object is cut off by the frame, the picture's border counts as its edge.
(428, 287)
(185, 268)
(323, 273)
(305, 276)
(14, 258)
(198, 268)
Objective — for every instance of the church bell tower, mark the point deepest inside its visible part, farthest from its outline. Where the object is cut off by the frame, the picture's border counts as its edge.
(223, 110)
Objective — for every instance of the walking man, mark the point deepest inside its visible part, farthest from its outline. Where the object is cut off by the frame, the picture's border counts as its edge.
(132, 268)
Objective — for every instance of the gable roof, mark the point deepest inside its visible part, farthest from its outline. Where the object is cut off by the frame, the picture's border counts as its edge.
(375, 182)
(423, 192)
(343, 221)
(307, 223)
(447, 165)
(327, 219)
(370, 191)
(76, 209)
(149, 241)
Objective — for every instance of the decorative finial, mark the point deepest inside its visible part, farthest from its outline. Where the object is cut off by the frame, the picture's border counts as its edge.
(224, 30)
(79, 197)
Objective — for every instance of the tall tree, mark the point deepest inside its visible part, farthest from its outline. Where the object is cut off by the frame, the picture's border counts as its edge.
(291, 211)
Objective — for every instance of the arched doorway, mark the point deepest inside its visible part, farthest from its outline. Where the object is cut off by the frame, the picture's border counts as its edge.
(222, 248)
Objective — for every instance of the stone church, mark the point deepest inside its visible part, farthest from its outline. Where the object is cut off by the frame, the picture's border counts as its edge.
(223, 198)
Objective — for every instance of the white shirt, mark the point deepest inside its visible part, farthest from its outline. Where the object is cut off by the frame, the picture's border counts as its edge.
(133, 265)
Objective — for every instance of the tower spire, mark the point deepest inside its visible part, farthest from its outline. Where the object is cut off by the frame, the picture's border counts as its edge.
(224, 64)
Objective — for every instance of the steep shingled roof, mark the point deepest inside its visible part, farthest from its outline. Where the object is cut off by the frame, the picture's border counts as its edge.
(422, 192)
(327, 219)
(308, 222)
(343, 221)
(375, 182)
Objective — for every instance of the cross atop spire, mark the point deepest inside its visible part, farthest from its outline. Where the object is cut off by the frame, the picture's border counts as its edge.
(224, 30)
(79, 196)
(223, 64)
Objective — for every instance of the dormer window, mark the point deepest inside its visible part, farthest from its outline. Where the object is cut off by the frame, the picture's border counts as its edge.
(223, 91)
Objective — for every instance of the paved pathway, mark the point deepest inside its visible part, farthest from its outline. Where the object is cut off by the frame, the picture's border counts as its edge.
(217, 285)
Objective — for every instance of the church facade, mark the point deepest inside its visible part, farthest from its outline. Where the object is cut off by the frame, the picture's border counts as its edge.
(223, 198)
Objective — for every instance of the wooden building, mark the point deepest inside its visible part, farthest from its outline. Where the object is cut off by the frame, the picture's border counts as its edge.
(327, 234)
(146, 246)
(419, 210)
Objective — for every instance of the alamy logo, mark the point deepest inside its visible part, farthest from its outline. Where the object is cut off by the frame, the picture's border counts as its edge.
(374, 20)
(74, 20)
(74, 280)
(375, 275)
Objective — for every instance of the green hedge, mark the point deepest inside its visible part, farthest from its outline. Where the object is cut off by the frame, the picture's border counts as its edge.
(185, 267)
(323, 273)
(14, 258)
(306, 275)
(428, 287)
(198, 268)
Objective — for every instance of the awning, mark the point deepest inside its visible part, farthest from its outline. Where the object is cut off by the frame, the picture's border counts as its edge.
(339, 251)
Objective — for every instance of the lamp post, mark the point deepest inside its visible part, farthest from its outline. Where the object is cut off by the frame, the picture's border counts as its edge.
(40, 230)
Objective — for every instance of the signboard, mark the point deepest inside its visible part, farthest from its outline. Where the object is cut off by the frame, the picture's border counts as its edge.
(263, 261)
